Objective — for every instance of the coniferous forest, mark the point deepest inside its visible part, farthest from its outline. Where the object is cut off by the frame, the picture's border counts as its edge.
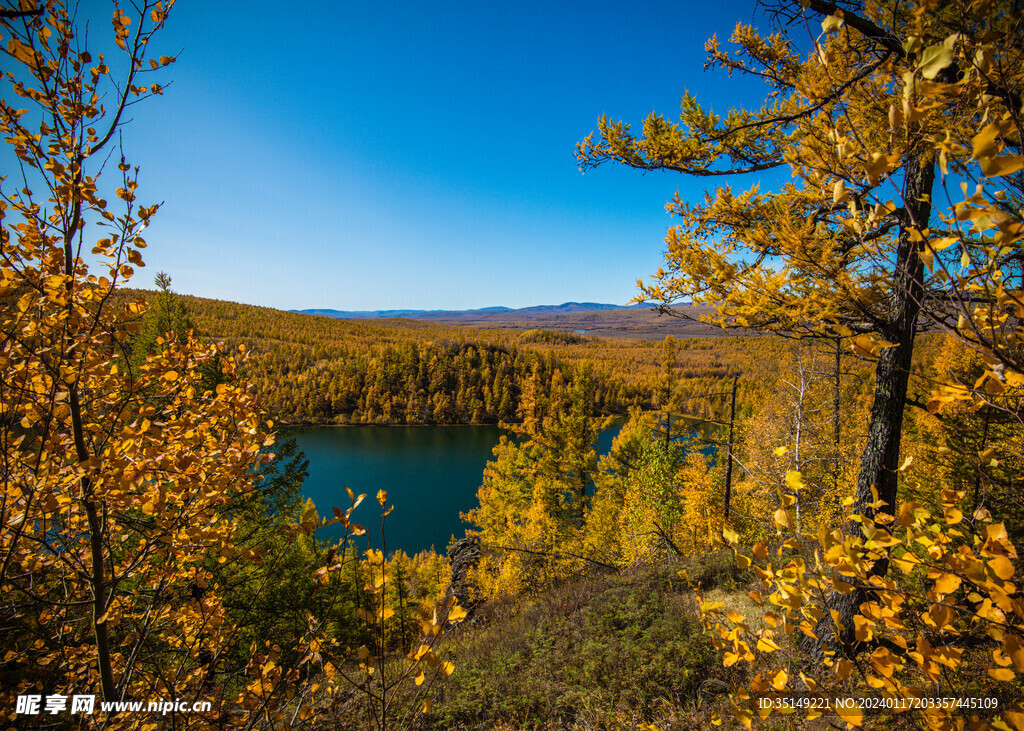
(813, 527)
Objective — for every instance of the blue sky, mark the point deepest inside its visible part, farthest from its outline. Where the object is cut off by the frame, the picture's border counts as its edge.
(413, 155)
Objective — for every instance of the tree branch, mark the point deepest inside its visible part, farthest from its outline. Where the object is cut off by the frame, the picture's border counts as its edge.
(6, 13)
(863, 25)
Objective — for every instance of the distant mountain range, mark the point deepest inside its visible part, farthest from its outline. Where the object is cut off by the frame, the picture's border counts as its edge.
(584, 318)
(484, 314)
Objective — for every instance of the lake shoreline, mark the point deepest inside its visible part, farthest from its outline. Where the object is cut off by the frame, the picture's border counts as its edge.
(319, 425)
(324, 424)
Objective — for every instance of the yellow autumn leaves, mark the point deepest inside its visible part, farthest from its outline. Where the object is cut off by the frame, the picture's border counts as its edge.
(952, 583)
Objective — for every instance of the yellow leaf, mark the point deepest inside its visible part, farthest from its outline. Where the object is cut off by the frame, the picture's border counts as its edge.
(794, 480)
(780, 451)
(994, 167)
(1001, 567)
(986, 141)
(935, 58)
(947, 583)
(862, 628)
(884, 662)
(839, 192)
(1004, 674)
(730, 536)
(782, 518)
(853, 716)
(24, 53)
(1015, 715)
(766, 644)
(878, 164)
(862, 346)
(832, 22)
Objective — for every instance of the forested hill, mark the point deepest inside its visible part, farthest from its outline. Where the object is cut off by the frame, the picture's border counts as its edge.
(314, 369)
(318, 369)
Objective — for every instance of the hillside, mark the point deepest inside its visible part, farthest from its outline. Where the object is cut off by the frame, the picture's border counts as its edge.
(317, 369)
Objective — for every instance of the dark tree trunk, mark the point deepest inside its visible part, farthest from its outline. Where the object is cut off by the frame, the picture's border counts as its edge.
(728, 456)
(880, 460)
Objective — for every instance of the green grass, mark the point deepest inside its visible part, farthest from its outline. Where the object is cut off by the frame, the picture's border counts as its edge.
(597, 653)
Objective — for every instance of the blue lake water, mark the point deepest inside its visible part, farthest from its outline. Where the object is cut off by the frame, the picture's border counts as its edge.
(431, 474)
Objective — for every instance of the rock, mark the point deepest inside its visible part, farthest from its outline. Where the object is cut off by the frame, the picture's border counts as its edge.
(463, 555)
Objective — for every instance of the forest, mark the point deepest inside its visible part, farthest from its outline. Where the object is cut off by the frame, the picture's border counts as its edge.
(318, 370)
(836, 548)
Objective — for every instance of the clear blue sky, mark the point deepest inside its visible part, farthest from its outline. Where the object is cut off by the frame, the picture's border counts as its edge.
(392, 155)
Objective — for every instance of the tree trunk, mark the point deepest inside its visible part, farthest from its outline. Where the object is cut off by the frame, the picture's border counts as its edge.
(728, 456)
(880, 460)
(97, 528)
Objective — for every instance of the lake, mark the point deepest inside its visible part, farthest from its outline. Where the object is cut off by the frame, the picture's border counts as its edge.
(431, 474)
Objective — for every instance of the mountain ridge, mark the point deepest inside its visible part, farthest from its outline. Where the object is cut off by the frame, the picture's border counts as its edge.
(483, 313)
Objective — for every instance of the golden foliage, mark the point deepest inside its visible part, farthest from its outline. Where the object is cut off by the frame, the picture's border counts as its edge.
(901, 127)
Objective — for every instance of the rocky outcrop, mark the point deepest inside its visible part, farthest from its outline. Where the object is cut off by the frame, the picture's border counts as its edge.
(463, 555)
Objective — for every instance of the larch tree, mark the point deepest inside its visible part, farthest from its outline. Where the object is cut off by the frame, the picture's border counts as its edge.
(879, 110)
